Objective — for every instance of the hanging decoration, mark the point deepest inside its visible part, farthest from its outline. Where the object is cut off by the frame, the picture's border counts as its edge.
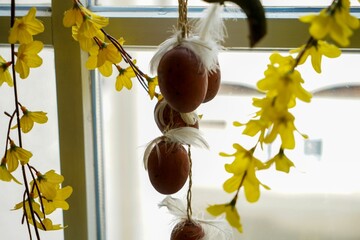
(188, 75)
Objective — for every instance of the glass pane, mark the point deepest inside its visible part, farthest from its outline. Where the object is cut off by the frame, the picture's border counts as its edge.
(321, 194)
(38, 93)
(162, 3)
(26, 2)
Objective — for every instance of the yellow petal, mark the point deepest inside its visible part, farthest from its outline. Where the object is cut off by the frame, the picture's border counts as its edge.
(217, 209)
(232, 184)
(12, 161)
(38, 117)
(26, 123)
(233, 217)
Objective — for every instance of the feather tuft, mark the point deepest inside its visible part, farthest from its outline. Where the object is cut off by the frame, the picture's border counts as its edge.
(187, 135)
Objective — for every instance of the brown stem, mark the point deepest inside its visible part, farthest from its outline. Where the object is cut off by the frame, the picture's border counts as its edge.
(12, 21)
(128, 59)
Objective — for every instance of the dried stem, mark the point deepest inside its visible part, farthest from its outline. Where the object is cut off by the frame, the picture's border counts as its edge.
(12, 21)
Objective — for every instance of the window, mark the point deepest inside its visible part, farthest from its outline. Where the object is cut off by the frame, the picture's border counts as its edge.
(131, 209)
(25, 2)
(274, 3)
(99, 125)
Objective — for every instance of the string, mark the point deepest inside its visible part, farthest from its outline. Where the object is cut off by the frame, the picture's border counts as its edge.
(189, 193)
(183, 21)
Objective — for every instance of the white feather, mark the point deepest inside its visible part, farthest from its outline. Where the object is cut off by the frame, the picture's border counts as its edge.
(167, 45)
(206, 51)
(175, 206)
(187, 135)
(205, 41)
(211, 26)
(159, 112)
(149, 148)
(190, 118)
(214, 229)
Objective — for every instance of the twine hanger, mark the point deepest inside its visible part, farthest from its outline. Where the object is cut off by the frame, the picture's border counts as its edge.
(182, 20)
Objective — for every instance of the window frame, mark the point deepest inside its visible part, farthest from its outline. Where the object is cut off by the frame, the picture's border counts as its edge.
(80, 147)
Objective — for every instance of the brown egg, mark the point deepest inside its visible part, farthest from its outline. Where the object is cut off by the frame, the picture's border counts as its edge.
(182, 79)
(168, 167)
(187, 230)
(167, 118)
(214, 80)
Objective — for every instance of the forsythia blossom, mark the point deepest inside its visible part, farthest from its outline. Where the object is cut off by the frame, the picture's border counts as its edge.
(335, 21)
(5, 175)
(24, 28)
(4, 72)
(48, 184)
(243, 167)
(152, 83)
(124, 77)
(282, 162)
(29, 118)
(58, 201)
(231, 213)
(88, 23)
(103, 56)
(27, 57)
(316, 50)
(16, 154)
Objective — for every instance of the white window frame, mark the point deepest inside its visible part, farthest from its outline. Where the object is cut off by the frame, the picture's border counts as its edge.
(78, 142)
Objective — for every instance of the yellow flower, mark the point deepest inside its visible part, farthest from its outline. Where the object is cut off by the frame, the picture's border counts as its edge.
(5, 175)
(284, 126)
(152, 83)
(92, 23)
(335, 21)
(103, 56)
(243, 168)
(283, 82)
(27, 57)
(24, 28)
(16, 154)
(73, 16)
(28, 118)
(231, 213)
(124, 77)
(35, 207)
(47, 225)
(4, 72)
(86, 43)
(59, 200)
(316, 50)
(282, 162)
(48, 184)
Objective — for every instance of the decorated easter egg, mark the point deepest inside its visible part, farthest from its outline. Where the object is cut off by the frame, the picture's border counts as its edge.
(182, 79)
(167, 118)
(168, 167)
(187, 230)
(214, 80)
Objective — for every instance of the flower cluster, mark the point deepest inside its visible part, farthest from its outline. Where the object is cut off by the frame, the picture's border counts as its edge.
(87, 29)
(282, 86)
(44, 194)
(22, 32)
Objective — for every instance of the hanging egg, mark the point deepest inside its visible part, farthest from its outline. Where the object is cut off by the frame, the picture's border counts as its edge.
(214, 80)
(182, 79)
(187, 230)
(168, 167)
(167, 118)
